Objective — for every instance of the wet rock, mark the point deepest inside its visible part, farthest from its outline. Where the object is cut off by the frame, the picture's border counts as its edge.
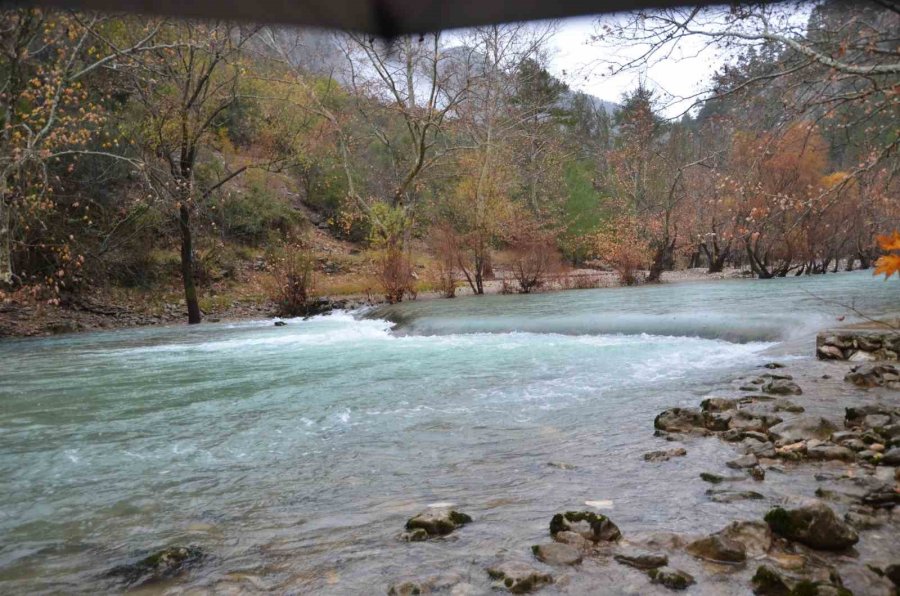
(757, 473)
(429, 585)
(438, 522)
(784, 405)
(830, 452)
(759, 448)
(745, 461)
(730, 496)
(718, 548)
(773, 365)
(716, 479)
(814, 524)
(642, 560)
(719, 404)
(891, 457)
(884, 496)
(518, 578)
(161, 565)
(844, 435)
(755, 536)
(830, 353)
(782, 387)
(573, 539)
(862, 579)
(657, 456)
(592, 526)
(417, 535)
(872, 375)
(892, 572)
(557, 553)
(769, 582)
(674, 579)
(803, 428)
(679, 420)
(280, 323)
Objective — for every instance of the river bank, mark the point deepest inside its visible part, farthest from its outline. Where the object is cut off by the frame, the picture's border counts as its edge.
(98, 310)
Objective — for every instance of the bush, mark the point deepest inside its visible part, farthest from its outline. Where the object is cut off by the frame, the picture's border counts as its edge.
(252, 216)
(292, 283)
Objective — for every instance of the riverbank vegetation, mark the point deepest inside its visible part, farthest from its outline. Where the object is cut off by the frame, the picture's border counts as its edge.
(146, 157)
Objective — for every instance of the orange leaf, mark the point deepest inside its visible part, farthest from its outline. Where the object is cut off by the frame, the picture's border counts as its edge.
(889, 265)
(890, 242)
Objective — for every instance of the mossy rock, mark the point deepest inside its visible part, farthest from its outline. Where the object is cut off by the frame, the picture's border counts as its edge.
(814, 525)
(674, 579)
(160, 565)
(439, 522)
(602, 529)
(768, 582)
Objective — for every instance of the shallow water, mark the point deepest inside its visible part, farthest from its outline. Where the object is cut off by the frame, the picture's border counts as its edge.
(293, 455)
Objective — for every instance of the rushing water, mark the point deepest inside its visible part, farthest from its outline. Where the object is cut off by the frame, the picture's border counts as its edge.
(293, 455)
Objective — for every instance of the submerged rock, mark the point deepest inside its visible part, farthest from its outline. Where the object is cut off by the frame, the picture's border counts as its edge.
(592, 526)
(642, 560)
(557, 553)
(745, 461)
(803, 428)
(755, 536)
(161, 565)
(814, 525)
(280, 323)
(718, 548)
(437, 522)
(782, 386)
(657, 456)
(518, 578)
(716, 479)
(674, 579)
(730, 496)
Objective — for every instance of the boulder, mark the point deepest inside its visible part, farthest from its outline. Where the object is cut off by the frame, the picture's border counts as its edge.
(642, 560)
(161, 565)
(592, 526)
(782, 387)
(674, 579)
(718, 548)
(814, 524)
(518, 577)
(437, 522)
(557, 553)
(679, 420)
(803, 428)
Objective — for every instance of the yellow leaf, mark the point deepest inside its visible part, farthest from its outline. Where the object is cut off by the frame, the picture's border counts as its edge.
(889, 265)
(890, 242)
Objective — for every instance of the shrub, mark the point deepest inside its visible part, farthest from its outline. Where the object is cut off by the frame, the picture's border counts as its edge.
(252, 216)
(292, 282)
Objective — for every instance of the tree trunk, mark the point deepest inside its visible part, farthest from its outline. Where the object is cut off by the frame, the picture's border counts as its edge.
(187, 265)
(659, 261)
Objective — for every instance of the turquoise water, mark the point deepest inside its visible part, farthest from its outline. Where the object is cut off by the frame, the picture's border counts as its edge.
(293, 455)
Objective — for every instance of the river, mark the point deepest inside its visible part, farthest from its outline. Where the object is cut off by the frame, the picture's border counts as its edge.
(293, 455)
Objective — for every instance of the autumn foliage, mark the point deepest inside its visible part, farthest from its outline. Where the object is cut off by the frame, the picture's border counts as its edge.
(889, 263)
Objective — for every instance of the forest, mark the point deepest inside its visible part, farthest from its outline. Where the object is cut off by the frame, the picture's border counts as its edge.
(148, 157)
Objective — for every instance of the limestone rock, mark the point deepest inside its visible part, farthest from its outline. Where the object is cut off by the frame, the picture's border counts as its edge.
(718, 548)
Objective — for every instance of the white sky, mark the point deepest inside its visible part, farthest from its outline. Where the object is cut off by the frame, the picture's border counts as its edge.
(576, 61)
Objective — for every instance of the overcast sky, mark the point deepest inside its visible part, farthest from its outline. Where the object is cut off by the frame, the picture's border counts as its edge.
(578, 63)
